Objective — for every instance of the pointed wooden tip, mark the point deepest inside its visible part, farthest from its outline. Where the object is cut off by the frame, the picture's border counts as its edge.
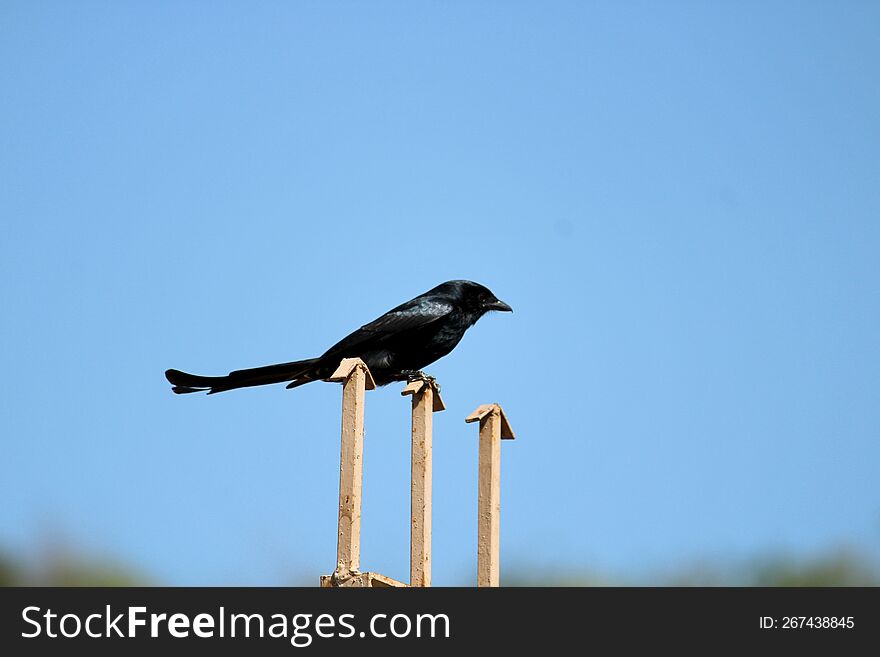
(488, 409)
(349, 365)
(416, 387)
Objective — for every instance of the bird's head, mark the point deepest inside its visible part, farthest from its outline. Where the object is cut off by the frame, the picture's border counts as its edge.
(476, 298)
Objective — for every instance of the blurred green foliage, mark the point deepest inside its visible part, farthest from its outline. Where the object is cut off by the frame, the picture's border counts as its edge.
(7, 571)
(842, 567)
(67, 569)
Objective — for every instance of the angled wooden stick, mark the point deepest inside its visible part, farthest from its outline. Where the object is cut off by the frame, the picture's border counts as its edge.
(356, 379)
(493, 428)
(426, 401)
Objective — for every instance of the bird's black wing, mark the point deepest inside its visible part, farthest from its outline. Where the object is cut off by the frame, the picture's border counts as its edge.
(396, 323)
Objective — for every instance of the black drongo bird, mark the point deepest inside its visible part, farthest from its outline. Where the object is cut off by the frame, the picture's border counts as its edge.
(395, 347)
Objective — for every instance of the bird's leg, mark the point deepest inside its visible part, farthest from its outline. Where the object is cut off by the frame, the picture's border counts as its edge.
(418, 375)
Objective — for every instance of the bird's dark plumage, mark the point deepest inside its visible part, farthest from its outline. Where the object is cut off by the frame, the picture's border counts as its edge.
(395, 346)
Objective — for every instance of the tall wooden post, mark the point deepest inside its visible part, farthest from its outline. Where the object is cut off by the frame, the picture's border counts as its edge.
(494, 427)
(426, 401)
(356, 379)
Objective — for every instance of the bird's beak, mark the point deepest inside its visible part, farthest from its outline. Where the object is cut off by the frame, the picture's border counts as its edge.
(499, 305)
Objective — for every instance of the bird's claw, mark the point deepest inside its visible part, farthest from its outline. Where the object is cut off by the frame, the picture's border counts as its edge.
(421, 376)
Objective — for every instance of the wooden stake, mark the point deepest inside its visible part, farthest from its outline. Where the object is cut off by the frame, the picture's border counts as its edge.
(493, 428)
(356, 379)
(425, 402)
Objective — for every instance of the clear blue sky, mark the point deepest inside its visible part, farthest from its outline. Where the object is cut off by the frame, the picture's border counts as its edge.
(680, 200)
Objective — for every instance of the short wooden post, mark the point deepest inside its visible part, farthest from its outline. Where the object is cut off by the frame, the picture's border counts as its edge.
(426, 401)
(356, 379)
(494, 427)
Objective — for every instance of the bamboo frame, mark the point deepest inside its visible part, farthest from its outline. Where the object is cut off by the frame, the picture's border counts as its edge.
(426, 401)
(494, 428)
